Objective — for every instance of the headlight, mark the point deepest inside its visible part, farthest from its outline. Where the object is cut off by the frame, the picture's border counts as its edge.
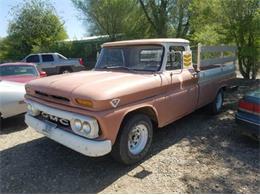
(32, 110)
(29, 107)
(77, 125)
(84, 128)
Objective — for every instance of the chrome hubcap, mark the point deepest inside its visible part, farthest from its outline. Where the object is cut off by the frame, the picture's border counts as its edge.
(137, 139)
(219, 101)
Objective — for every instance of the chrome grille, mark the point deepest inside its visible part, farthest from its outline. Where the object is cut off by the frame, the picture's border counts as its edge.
(60, 98)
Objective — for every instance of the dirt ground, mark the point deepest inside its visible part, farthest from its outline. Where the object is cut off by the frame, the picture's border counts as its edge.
(197, 154)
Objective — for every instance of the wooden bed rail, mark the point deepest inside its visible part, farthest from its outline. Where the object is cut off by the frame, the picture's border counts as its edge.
(218, 60)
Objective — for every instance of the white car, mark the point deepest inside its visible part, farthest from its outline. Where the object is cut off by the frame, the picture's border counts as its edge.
(11, 99)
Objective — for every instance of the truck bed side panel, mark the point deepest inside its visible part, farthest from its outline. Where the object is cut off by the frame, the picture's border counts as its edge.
(211, 80)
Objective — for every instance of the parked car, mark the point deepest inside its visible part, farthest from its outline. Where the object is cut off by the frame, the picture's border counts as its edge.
(20, 72)
(55, 63)
(135, 87)
(248, 114)
(12, 99)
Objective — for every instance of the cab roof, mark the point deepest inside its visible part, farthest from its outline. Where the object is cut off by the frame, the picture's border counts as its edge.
(145, 42)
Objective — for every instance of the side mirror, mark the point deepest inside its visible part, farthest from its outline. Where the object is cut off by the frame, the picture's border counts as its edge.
(43, 74)
(196, 68)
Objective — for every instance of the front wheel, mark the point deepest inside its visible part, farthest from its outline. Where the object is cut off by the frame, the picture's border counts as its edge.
(217, 104)
(134, 139)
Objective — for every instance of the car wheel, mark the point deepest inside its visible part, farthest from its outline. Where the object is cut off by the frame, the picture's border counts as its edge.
(134, 139)
(65, 70)
(217, 104)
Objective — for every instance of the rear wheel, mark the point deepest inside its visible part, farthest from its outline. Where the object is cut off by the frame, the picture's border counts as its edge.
(134, 139)
(217, 104)
(65, 70)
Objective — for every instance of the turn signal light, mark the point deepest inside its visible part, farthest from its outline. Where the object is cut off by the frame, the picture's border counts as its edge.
(86, 103)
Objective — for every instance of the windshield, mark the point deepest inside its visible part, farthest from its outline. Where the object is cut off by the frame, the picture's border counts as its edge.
(139, 58)
(17, 70)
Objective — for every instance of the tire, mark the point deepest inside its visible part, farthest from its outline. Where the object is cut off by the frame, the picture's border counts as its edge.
(132, 149)
(216, 106)
(65, 70)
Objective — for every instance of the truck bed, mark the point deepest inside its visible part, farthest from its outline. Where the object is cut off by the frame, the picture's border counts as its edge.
(214, 71)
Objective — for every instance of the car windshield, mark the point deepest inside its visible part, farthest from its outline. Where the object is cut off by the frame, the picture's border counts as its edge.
(137, 58)
(12, 70)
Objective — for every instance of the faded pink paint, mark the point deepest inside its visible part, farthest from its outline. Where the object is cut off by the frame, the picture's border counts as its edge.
(168, 100)
(165, 96)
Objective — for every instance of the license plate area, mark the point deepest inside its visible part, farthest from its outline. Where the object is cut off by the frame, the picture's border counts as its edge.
(48, 127)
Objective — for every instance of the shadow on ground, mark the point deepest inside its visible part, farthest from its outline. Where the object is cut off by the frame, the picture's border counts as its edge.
(12, 124)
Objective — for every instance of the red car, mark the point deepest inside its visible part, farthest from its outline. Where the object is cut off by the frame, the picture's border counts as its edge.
(20, 72)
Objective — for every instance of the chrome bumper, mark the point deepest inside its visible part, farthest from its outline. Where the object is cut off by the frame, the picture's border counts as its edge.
(82, 145)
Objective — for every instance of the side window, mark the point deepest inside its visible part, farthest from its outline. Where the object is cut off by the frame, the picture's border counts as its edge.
(47, 58)
(33, 58)
(61, 57)
(174, 58)
(177, 48)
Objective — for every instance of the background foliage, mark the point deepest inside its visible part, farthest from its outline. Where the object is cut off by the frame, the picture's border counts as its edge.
(36, 27)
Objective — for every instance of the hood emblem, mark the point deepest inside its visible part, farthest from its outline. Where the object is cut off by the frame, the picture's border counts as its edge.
(115, 102)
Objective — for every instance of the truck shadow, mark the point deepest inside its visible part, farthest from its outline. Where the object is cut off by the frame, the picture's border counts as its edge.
(12, 124)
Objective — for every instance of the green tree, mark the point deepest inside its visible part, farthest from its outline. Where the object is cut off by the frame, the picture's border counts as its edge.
(242, 23)
(113, 17)
(168, 18)
(230, 22)
(206, 23)
(34, 25)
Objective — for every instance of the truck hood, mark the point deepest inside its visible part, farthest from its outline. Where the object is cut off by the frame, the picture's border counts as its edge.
(100, 87)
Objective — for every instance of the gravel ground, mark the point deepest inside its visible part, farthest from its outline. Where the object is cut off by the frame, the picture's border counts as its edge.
(197, 154)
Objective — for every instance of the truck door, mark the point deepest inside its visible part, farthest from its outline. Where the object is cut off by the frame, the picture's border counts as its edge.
(182, 90)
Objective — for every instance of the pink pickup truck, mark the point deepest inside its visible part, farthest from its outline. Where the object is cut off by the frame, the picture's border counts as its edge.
(136, 86)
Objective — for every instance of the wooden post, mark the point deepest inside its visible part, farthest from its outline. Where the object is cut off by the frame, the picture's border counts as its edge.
(222, 53)
(198, 56)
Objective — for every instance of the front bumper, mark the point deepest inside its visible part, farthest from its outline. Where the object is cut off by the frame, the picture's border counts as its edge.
(82, 145)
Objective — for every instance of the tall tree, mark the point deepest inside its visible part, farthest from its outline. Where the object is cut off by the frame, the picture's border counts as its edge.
(157, 13)
(112, 17)
(242, 24)
(167, 17)
(206, 23)
(180, 18)
(34, 25)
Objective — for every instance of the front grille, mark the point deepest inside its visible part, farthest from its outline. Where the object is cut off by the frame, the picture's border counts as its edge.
(41, 93)
(46, 117)
(60, 98)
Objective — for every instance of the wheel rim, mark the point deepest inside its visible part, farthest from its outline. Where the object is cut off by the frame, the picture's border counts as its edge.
(65, 72)
(137, 139)
(219, 101)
